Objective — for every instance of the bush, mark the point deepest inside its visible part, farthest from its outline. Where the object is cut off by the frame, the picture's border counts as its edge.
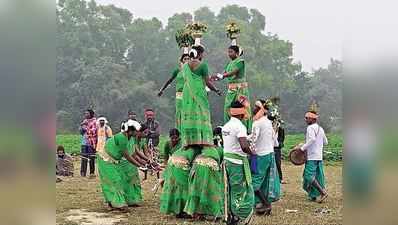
(331, 152)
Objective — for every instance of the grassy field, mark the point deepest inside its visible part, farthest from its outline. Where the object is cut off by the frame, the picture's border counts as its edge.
(332, 152)
(80, 201)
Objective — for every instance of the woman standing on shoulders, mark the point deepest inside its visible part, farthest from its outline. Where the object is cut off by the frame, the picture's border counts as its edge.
(234, 72)
(198, 135)
(195, 129)
(184, 41)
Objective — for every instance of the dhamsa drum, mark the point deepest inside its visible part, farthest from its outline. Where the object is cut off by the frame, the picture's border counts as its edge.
(296, 156)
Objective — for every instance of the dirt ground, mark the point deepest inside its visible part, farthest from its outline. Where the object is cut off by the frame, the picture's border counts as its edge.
(80, 201)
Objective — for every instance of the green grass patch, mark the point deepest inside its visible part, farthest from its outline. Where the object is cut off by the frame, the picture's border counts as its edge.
(332, 152)
(71, 142)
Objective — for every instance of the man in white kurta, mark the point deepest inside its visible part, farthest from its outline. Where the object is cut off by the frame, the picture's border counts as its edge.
(313, 176)
(240, 196)
(266, 182)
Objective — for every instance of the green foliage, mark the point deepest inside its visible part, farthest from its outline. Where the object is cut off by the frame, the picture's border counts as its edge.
(108, 60)
(331, 152)
(71, 142)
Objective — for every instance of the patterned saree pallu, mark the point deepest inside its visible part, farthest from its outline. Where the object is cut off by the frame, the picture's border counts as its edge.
(175, 188)
(237, 90)
(196, 122)
(206, 187)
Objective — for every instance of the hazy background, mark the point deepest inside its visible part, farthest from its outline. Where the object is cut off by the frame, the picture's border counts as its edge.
(27, 90)
(315, 27)
(94, 68)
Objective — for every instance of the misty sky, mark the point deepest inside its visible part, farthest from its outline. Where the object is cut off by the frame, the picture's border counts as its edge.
(313, 26)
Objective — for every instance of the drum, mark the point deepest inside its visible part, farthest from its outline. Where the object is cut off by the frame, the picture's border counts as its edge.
(296, 156)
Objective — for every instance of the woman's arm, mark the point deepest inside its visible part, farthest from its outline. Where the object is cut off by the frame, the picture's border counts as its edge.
(211, 86)
(168, 82)
(232, 73)
(220, 76)
(139, 159)
(131, 159)
(140, 154)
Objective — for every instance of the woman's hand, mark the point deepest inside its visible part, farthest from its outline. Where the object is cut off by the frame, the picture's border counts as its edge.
(142, 155)
(217, 77)
(140, 160)
(213, 77)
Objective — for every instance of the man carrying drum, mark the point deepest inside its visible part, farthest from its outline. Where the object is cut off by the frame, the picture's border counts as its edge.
(313, 176)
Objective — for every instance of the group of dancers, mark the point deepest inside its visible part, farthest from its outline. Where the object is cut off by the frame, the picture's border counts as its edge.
(227, 173)
(203, 179)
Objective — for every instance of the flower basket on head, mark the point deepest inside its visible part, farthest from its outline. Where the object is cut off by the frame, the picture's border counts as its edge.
(233, 30)
(184, 38)
(314, 107)
(197, 29)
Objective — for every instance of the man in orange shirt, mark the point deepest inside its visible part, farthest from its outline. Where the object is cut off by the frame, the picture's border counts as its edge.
(104, 132)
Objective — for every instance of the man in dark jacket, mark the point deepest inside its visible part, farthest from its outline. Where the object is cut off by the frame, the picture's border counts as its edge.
(278, 151)
(152, 132)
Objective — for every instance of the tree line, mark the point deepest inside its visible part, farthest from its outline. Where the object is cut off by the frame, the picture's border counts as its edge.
(112, 62)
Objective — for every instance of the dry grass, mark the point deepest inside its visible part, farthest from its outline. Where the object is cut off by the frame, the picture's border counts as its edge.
(85, 193)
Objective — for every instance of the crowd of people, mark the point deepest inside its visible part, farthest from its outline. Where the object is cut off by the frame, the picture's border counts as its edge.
(227, 173)
(95, 132)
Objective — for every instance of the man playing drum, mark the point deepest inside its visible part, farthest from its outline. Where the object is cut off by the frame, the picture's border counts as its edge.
(313, 176)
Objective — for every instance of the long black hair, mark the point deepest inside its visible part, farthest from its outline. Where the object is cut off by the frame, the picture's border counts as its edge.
(235, 48)
(196, 51)
(199, 48)
(91, 112)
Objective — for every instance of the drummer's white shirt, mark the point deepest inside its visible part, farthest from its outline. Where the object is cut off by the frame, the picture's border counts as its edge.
(231, 132)
(263, 136)
(315, 138)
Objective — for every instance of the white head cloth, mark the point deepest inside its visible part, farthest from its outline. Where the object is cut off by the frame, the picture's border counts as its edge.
(102, 118)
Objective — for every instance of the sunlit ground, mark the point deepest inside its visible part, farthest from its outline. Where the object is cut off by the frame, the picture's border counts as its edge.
(79, 201)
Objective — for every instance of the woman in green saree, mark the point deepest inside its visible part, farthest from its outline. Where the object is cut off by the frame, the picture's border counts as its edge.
(129, 171)
(196, 132)
(172, 145)
(206, 172)
(175, 186)
(177, 75)
(116, 176)
(237, 84)
(196, 126)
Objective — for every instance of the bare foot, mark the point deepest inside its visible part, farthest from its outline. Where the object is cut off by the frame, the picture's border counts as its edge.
(323, 198)
(124, 209)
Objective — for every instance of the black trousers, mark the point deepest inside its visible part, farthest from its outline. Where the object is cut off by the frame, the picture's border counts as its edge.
(88, 156)
(278, 158)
